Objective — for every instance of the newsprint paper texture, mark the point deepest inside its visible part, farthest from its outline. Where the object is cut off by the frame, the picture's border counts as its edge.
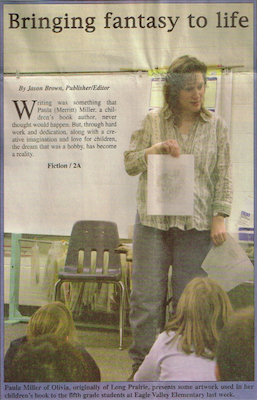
(76, 82)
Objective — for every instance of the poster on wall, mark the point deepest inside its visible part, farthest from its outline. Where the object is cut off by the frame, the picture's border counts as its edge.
(82, 102)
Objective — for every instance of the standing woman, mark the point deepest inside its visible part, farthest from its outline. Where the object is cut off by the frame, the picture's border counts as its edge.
(182, 126)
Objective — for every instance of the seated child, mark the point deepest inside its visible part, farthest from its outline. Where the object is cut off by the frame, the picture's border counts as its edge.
(47, 359)
(53, 318)
(235, 352)
(185, 351)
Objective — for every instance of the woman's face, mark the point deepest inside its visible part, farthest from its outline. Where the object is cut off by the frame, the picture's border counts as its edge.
(191, 96)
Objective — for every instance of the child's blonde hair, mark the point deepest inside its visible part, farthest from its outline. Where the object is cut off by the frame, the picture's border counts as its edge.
(202, 310)
(53, 318)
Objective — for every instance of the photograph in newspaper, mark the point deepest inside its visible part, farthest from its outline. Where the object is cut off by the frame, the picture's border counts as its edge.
(127, 173)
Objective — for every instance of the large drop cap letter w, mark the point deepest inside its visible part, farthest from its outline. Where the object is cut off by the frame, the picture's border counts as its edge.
(20, 111)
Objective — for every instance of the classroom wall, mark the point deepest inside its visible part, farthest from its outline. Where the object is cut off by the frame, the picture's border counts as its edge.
(242, 144)
(113, 49)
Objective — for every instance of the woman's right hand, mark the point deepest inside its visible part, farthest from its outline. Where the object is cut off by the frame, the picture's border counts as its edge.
(167, 147)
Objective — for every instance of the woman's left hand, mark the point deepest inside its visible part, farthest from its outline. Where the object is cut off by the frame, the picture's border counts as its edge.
(218, 230)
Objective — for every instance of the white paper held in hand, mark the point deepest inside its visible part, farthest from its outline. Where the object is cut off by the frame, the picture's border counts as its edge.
(170, 185)
(228, 264)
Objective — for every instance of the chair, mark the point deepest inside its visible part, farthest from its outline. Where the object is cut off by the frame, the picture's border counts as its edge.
(102, 239)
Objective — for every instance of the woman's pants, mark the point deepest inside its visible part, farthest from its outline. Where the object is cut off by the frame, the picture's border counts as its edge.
(154, 251)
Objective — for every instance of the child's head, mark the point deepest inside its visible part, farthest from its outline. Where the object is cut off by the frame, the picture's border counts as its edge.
(47, 359)
(202, 310)
(235, 352)
(53, 318)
